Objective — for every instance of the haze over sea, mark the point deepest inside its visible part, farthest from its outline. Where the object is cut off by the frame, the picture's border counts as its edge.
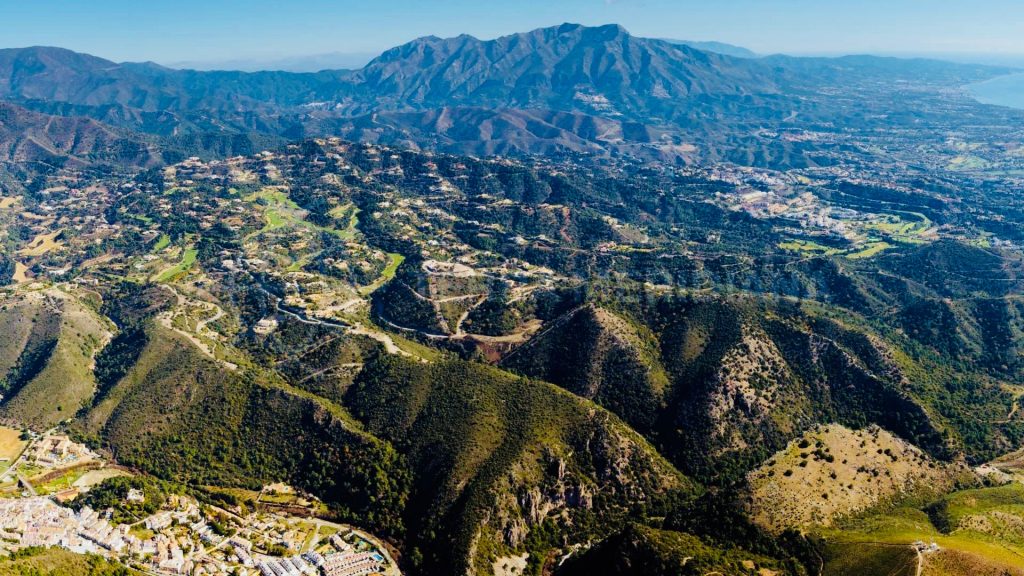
(1002, 91)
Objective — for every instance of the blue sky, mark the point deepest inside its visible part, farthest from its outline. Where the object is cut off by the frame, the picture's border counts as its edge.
(198, 30)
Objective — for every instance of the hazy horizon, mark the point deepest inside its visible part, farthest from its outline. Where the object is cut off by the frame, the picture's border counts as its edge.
(339, 60)
(355, 60)
(260, 31)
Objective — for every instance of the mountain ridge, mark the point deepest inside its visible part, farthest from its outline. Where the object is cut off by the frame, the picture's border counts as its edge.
(658, 99)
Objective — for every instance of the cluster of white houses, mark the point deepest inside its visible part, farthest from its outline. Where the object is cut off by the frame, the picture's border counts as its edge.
(344, 561)
(39, 521)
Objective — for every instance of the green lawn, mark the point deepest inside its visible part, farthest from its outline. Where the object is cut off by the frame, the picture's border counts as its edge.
(163, 242)
(281, 211)
(981, 523)
(353, 221)
(394, 261)
(274, 219)
(903, 227)
(872, 249)
(339, 213)
(141, 532)
(187, 260)
(62, 482)
(273, 197)
(967, 162)
(808, 247)
(299, 264)
(278, 208)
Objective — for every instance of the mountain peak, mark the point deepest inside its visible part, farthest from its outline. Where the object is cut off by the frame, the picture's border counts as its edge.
(602, 69)
(717, 48)
(54, 55)
(603, 33)
(611, 30)
(568, 27)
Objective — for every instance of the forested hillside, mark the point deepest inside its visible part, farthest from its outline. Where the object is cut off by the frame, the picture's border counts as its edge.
(541, 365)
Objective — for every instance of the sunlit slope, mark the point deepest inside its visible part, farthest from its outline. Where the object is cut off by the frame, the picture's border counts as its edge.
(56, 338)
(500, 461)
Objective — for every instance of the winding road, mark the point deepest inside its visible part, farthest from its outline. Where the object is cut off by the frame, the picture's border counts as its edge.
(357, 328)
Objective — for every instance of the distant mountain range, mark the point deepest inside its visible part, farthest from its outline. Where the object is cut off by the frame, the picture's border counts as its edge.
(719, 48)
(27, 136)
(356, 60)
(305, 63)
(567, 88)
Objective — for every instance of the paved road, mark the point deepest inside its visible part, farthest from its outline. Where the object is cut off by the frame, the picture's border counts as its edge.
(357, 328)
(25, 483)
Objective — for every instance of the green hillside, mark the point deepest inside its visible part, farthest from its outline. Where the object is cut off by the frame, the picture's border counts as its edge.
(643, 551)
(503, 465)
(184, 417)
(56, 562)
(720, 384)
(607, 359)
(542, 366)
(52, 377)
(976, 531)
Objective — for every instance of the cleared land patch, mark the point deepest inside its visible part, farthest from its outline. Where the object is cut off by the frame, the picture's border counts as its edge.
(20, 273)
(833, 471)
(94, 477)
(11, 446)
(42, 244)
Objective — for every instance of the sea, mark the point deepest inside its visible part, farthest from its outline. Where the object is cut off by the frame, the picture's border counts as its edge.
(1002, 91)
